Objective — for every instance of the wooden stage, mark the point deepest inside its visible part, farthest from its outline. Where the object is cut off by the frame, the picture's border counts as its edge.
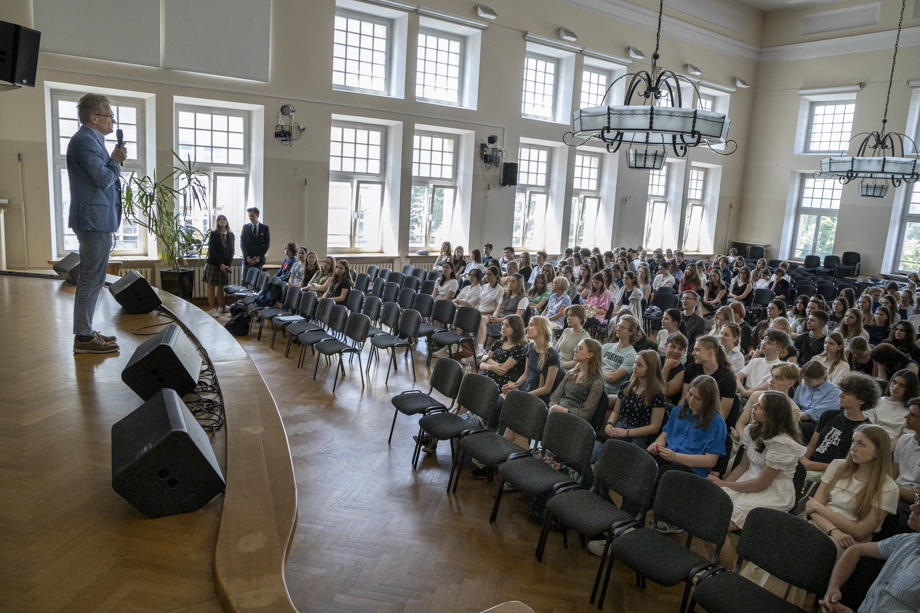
(371, 533)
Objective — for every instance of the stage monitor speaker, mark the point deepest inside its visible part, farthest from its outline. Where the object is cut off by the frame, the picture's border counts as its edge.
(162, 461)
(169, 359)
(509, 173)
(18, 54)
(134, 294)
(68, 268)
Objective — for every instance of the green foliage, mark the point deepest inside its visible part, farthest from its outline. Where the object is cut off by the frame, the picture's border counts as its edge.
(163, 209)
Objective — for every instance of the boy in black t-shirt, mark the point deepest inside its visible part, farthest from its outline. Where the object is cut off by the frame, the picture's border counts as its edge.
(812, 344)
(781, 286)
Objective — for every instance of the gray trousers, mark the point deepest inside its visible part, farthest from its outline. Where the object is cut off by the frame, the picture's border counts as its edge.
(94, 262)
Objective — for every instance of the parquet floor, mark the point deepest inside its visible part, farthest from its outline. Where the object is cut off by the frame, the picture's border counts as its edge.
(374, 535)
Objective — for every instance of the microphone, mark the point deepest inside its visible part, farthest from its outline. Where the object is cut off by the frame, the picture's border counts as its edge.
(120, 136)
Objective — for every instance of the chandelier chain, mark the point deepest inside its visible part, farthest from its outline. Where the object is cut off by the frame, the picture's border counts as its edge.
(658, 34)
(894, 60)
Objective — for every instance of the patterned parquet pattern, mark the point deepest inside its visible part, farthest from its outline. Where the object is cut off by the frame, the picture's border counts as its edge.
(374, 535)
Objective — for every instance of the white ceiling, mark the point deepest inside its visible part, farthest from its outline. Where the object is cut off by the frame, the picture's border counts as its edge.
(779, 5)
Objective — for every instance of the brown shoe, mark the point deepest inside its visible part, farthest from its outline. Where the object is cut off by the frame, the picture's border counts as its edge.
(94, 345)
(107, 339)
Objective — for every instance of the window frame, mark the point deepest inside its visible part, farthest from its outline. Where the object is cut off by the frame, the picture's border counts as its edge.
(906, 218)
(608, 75)
(812, 106)
(389, 51)
(654, 200)
(461, 77)
(59, 165)
(557, 63)
(529, 190)
(695, 203)
(580, 197)
(432, 184)
(819, 213)
(357, 180)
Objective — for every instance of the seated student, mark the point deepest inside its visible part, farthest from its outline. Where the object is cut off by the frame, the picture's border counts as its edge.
(557, 302)
(834, 358)
(837, 313)
(296, 278)
(321, 279)
(340, 284)
(538, 294)
(906, 304)
(638, 409)
(539, 268)
(287, 264)
(580, 390)
(664, 278)
(525, 267)
(903, 337)
(446, 255)
(817, 395)
(741, 287)
(691, 281)
(789, 352)
(505, 362)
(756, 375)
(715, 292)
(851, 325)
(834, 433)
(672, 368)
(812, 344)
(709, 359)
(511, 269)
(746, 332)
(309, 270)
(781, 286)
(569, 274)
(896, 589)
(891, 410)
(489, 299)
(572, 335)
(514, 302)
(625, 294)
(782, 377)
(880, 329)
(891, 303)
(487, 258)
(773, 446)
(856, 493)
(475, 264)
(905, 466)
(859, 356)
(729, 338)
(471, 294)
(694, 325)
(670, 324)
(888, 361)
(618, 358)
(776, 309)
(446, 285)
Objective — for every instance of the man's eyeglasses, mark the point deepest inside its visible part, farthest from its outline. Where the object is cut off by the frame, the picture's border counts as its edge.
(112, 117)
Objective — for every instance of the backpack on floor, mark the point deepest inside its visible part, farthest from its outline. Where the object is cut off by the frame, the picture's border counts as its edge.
(239, 324)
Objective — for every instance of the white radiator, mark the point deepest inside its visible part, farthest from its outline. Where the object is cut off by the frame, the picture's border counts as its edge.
(148, 273)
(200, 287)
(362, 266)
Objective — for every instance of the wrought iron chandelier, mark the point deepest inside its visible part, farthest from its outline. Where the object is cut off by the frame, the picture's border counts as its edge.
(880, 158)
(648, 128)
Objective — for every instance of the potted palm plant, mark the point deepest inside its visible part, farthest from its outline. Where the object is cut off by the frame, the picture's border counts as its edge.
(164, 207)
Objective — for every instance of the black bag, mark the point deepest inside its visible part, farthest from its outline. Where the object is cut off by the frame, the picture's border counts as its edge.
(269, 296)
(239, 324)
(237, 307)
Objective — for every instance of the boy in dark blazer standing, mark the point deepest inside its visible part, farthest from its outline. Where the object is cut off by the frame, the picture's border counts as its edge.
(254, 242)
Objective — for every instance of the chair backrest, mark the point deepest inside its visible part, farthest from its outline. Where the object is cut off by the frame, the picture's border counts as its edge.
(407, 269)
(850, 258)
(773, 264)
(600, 412)
(337, 318)
(831, 260)
(775, 541)
(378, 288)
(355, 301)
(812, 261)
(261, 281)
(406, 298)
(372, 271)
(372, 307)
(479, 395)
(665, 301)
(467, 320)
(411, 283)
(762, 297)
(362, 281)
(755, 253)
(409, 322)
(434, 275)
(528, 315)
(389, 316)
(324, 309)
(390, 291)
(251, 275)
(396, 277)
(427, 287)
(446, 377)
(419, 273)
(292, 300)
(354, 274)
(570, 439)
(356, 327)
(698, 506)
(308, 302)
(424, 304)
(383, 274)
(629, 471)
(525, 414)
(666, 289)
(443, 312)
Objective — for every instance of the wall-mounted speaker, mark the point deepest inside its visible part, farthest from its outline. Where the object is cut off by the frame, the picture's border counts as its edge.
(162, 460)
(134, 293)
(168, 360)
(68, 268)
(18, 54)
(509, 173)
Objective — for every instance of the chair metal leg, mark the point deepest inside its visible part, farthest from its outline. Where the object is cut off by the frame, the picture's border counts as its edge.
(361, 370)
(287, 350)
(544, 534)
(393, 364)
(261, 325)
(412, 359)
(338, 367)
(418, 449)
(600, 602)
(315, 368)
(460, 456)
(453, 469)
(274, 329)
(600, 567)
(683, 603)
(393, 426)
(303, 355)
(692, 607)
(498, 500)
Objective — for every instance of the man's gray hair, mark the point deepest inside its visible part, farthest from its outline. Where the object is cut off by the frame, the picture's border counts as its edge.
(91, 104)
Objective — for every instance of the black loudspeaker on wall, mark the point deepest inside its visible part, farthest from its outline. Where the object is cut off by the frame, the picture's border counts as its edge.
(509, 173)
(68, 268)
(162, 461)
(134, 294)
(167, 360)
(18, 54)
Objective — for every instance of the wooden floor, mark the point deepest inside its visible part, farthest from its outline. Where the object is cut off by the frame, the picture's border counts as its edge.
(375, 535)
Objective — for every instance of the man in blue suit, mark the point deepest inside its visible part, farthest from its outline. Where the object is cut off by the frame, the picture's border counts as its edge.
(95, 213)
(254, 241)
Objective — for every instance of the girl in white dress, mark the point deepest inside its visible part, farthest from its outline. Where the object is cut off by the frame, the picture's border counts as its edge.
(773, 448)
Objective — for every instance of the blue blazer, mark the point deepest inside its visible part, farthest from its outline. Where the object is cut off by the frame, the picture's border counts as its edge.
(95, 184)
(255, 245)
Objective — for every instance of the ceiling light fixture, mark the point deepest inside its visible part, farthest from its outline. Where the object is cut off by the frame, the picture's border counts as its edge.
(566, 34)
(880, 156)
(635, 53)
(649, 129)
(693, 70)
(484, 11)
(739, 82)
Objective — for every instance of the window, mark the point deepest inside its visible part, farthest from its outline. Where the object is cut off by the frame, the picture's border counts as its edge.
(695, 209)
(531, 198)
(706, 102)
(830, 126)
(657, 209)
(909, 255)
(593, 87)
(816, 217)
(217, 141)
(356, 187)
(360, 53)
(129, 113)
(438, 76)
(585, 199)
(434, 189)
(664, 99)
(539, 86)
